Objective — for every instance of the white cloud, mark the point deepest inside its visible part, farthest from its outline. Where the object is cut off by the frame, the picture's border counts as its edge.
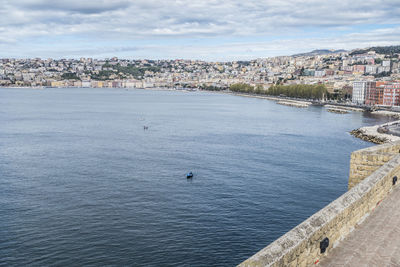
(131, 21)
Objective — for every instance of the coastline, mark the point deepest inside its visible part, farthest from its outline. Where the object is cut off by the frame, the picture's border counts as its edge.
(372, 133)
(387, 113)
(279, 100)
(367, 133)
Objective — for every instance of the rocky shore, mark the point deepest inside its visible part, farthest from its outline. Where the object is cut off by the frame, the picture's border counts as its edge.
(344, 107)
(374, 139)
(292, 103)
(377, 134)
(278, 100)
(337, 110)
(387, 113)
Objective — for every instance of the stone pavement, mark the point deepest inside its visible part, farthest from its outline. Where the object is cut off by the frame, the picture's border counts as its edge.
(375, 242)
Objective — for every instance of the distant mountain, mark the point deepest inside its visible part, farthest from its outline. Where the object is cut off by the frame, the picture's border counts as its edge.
(386, 50)
(319, 52)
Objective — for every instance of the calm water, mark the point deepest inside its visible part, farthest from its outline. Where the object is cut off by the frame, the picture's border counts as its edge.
(81, 182)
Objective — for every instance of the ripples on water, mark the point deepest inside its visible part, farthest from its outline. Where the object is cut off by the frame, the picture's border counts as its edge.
(83, 184)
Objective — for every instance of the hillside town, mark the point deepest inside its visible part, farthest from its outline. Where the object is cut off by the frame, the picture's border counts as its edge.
(366, 76)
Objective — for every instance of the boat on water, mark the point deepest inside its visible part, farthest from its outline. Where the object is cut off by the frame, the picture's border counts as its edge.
(189, 175)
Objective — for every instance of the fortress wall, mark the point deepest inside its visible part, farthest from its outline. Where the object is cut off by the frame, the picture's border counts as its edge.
(365, 161)
(372, 175)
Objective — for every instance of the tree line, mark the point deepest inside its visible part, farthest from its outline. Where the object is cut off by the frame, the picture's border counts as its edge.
(309, 91)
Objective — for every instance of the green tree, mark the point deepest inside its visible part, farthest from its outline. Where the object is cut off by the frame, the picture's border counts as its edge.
(69, 76)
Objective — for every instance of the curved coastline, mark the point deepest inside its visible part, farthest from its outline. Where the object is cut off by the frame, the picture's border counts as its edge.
(372, 133)
(368, 133)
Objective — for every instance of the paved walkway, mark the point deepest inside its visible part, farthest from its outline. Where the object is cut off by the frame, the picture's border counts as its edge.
(375, 242)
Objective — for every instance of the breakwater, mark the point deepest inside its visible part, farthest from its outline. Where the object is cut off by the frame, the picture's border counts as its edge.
(292, 103)
(279, 100)
(373, 175)
(359, 133)
(343, 107)
(377, 134)
(337, 110)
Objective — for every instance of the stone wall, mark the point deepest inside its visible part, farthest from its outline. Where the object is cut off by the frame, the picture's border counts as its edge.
(373, 170)
(365, 161)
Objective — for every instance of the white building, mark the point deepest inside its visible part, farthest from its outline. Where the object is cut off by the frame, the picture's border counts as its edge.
(370, 69)
(319, 73)
(359, 89)
(86, 84)
(386, 63)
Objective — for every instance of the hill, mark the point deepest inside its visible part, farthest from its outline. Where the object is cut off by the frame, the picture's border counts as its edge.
(319, 52)
(386, 50)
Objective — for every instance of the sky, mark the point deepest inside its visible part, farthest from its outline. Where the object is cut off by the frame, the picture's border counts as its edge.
(211, 30)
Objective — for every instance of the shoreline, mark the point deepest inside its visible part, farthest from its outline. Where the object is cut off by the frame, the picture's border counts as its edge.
(366, 133)
(279, 100)
(387, 113)
(372, 134)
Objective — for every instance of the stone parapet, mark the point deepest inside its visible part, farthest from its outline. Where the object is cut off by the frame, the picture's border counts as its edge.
(373, 171)
(365, 161)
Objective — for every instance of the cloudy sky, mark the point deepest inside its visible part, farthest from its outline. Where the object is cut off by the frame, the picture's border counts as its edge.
(192, 29)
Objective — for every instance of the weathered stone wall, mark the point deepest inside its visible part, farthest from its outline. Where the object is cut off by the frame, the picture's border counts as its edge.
(365, 161)
(301, 245)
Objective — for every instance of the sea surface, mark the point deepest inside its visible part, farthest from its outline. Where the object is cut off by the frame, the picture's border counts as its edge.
(82, 182)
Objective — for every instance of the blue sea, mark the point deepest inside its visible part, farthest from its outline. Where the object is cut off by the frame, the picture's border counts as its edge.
(82, 182)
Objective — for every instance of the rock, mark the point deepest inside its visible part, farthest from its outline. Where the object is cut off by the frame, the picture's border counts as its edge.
(360, 134)
(337, 110)
(383, 130)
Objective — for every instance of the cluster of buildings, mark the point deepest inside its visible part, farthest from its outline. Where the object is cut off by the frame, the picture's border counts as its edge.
(376, 93)
(339, 71)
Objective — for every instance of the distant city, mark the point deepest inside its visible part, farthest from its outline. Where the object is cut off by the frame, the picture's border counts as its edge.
(368, 76)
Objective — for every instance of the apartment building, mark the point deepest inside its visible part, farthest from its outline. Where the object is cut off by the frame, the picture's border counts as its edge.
(391, 96)
(362, 89)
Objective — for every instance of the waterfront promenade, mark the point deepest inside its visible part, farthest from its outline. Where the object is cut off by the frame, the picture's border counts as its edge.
(375, 242)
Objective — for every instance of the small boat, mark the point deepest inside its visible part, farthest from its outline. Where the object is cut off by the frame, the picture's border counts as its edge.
(189, 175)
